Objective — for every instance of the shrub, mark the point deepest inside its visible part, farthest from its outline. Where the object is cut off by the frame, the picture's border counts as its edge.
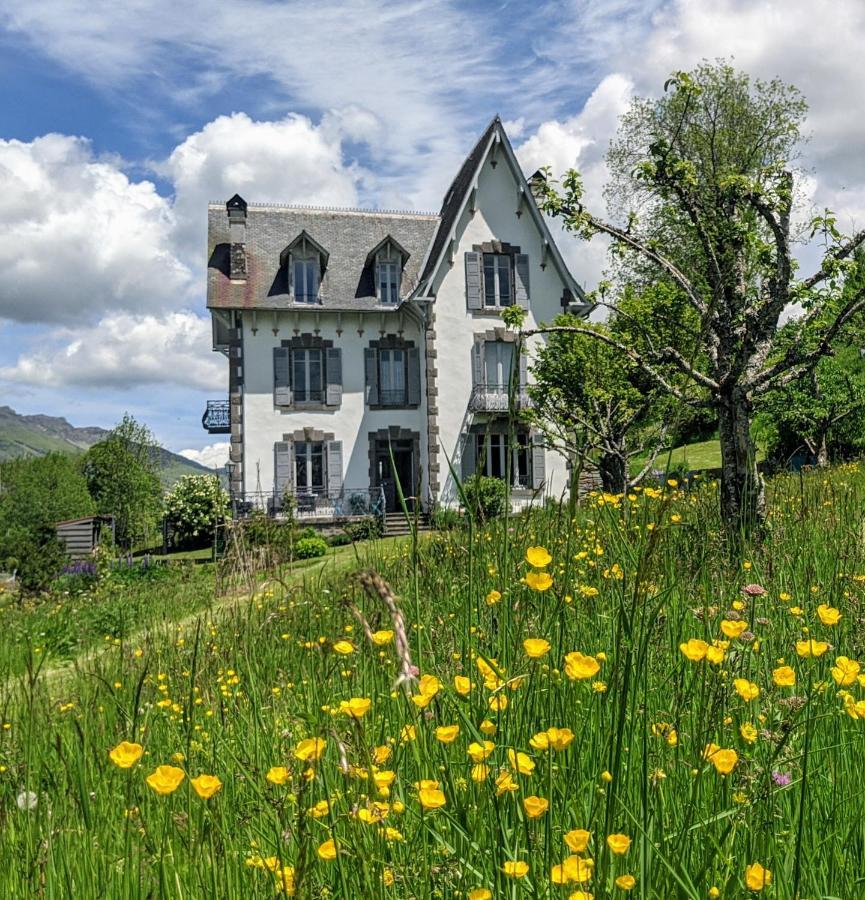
(367, 529)
(194, 507)
(310, 547)
(487, 498)
(446, 519)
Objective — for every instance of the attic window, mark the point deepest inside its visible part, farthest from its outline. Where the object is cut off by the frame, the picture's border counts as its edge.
(388, 274)
(305, 270)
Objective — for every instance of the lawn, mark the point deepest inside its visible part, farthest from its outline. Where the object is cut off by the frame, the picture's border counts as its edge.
(607, 703)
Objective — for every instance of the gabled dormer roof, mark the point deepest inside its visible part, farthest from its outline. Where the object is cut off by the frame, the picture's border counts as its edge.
(494, 140)
(370, 257)
(304, 241)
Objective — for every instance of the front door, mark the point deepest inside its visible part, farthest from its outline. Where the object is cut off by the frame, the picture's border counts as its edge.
(395, 462)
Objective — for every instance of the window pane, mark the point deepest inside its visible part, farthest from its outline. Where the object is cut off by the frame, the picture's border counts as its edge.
(317, 466)
(489, 279)
(315, 367)
(300, 467)
(497, 469)
(300, 380)
(504, 272)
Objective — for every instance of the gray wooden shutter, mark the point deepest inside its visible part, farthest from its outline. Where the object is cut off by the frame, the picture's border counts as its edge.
(478, 363)
(413, 375)
(333, 370)
(283, 471)
(370, 364)
(334, 469)
(474, 282)
(282, 376)
(469, 457)
(524, 370)
(521, 268)
(539, 462)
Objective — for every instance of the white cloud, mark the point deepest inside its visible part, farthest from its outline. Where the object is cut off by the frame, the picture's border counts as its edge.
(80, 237)
(124, 351)
(290, 161)
(213, 456)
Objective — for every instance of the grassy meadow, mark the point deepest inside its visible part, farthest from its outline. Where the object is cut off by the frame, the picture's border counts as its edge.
(596, 702)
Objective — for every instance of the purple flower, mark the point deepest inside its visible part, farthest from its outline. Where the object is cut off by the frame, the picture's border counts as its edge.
(782, 779)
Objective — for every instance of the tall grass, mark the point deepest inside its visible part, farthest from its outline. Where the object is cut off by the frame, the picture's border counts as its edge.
(233, 693)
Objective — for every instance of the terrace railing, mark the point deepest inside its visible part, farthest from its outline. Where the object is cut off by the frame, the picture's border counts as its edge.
(217, 417)
(315, 504)
(492, 397)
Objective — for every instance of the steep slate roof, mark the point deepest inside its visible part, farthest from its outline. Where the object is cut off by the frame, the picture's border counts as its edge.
(348, 236)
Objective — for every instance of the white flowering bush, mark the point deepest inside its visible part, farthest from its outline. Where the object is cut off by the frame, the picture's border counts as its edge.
(194, 506)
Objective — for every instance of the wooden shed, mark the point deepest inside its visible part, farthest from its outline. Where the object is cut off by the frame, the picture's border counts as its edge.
(81, 536)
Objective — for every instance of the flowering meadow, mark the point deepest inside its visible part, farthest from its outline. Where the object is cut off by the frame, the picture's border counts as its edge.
(588, 702)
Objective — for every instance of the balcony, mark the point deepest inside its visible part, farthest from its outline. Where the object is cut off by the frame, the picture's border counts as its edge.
(217, 417)
(488, 397)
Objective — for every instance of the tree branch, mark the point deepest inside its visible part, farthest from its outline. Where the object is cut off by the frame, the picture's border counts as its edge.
(841, 253)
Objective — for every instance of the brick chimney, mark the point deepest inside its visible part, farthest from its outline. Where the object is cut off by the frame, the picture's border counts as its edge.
(236, 208)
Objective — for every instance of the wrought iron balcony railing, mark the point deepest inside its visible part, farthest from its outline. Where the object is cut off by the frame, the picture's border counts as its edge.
(217, 417)
(490, 397)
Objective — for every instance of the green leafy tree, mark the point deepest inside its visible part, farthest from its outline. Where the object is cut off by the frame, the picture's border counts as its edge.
(194, 507)
(122, 477)
(704, 180)
(35, 494)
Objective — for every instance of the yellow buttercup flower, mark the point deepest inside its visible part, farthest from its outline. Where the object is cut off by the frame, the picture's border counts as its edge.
(344, 648)
(535, 807)
(578, 839)
(206, 786)
(539, 581)
(431, 797)
(327, 850)
(381, 638)
(480, 894)
(479, 752)
(626, 882)
(732, 629)
(574, 868)
(516, 868)
(493, 597)
(310, 749)
(277, 775)
(579, 667)
(480, 772)
(538, 557)
(618, 843)
(536, 647)
(748, 732)
(784, 676)
(747, 690)
(319, 810)
(810, 648)
(520, 762)
(462, 685)
(828, 615)
(357, 707)
(559, 738)
(757, 877)
(723, 760)
(428, 687)
(447, 734)
(845, 671)
(165, 780)
(694, 649)
(505, 784)
(126, 754)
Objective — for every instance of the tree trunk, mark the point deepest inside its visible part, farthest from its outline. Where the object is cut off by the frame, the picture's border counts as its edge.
(822, 452)
(613, 473)
(743, 504)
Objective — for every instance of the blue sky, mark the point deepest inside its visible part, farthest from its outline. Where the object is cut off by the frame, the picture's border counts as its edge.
(122, 119)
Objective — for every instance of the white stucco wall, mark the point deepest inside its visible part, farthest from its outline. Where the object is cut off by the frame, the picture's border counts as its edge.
(351, 422)
(495, 218)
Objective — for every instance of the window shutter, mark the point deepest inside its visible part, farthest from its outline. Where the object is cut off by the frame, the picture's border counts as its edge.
(469, 457)
(474, 285)
(282, 376)
(539, 462)
(334, 469)
(524, 371)
(521, 269)
(413, 375)
(333, 370)
(370, 363)
(478, 363)
(283, 478)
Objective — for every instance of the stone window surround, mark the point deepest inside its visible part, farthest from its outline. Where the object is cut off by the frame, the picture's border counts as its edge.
(307, 341)
(393, 433)
(312, 435)
(393, 342)
(502, 248)
(499, 426)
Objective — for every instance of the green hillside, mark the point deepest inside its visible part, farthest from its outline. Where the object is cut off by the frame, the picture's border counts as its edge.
(38, 435)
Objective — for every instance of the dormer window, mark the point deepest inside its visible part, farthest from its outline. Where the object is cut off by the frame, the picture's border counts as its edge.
(305, 278)
(388, 257)
(305, 261)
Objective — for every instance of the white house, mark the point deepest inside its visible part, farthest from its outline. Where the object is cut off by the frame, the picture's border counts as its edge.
(368, 347)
